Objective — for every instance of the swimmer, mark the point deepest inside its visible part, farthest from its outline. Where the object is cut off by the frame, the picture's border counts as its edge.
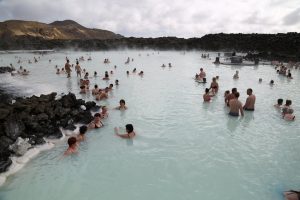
(72, 149)
(134, 70)
(81, 135)
(117, 82)
(102, 94)
(95, 74)
(163, 65)
(96, 123)
(289, 75)
(170, 65)
(127, 72)
(129, 132)
(110, 87)
(231, 95)
(235, 106)
(207, 96)
(214, 86)
(141, 73)
(115, 66)
(288, 104)
(202, 73)
(260, 80)
(86, 76)
(57, 71)
(289, 115)
(249, 105)
(83, 89)
(236, 75)
(271, 82)
(122, 105)
(104, 113)
(78, 69)
(227, 92)
(95, 90)
(111, 72)
(68, 69)
(279, 103)
(106, 76)
(292, 195)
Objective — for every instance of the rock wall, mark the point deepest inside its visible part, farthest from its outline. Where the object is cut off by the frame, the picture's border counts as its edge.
(37, 118)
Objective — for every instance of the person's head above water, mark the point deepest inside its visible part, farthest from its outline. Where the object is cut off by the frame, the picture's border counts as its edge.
(72, 141)
(237, 95)
(249, 91)
(288, 102)
(271, 82)
(206, 90)
(122, 102)
(279, 101)
(233, 90)
(129, 128)
(82, 130)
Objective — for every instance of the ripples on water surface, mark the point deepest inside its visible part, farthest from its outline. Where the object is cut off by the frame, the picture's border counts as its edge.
(184, 149)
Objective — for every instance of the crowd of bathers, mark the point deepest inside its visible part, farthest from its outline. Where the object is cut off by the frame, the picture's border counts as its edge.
(232, 101)
(99, 94)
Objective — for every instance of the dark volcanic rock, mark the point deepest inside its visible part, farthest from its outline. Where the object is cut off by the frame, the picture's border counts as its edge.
(13, 127)
(4, 165)
(6, 69)
(37, 118)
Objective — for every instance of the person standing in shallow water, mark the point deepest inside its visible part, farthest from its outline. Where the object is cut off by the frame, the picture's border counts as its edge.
(235, 106)
(68, 68)
(249, 105)
(78, 69)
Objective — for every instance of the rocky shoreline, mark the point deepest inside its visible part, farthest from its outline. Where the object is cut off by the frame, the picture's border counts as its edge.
(282, 46)
(29, 121)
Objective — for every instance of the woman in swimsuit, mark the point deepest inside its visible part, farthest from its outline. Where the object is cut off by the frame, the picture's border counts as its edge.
(96, 123)
(214, 86)
(129, 132)
(122, 105)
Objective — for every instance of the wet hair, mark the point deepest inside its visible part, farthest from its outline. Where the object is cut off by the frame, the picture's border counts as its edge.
(227, 92)
(272, 82)
(68, 61)
(82, 130)
(72, 141)
(122, 101)
(96, 86)
(111, 85)
(201, 69)
(280, 101)
(82, 87)
(129, 128)
(233, 90)
(206, 90)
(127, 72)
(250, 90)
(77, 63)
(288, 102)
(237, 94)
(97, 115)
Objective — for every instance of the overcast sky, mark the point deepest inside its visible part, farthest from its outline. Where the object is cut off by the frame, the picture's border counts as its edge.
(155, 18)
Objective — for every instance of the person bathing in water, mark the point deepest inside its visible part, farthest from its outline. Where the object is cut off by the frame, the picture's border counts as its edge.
(96, 123)
(72, 149)
(207, 96)
(214, 86)
(122, 105)
(236, 75)
(81, 135)
(279, 103)
(129, 132)
(249, 105)
(235, 106)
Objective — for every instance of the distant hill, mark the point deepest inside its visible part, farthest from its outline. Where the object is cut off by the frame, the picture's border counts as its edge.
(58, 30)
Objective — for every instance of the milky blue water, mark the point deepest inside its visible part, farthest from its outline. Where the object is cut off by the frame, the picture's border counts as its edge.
(184, 148)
